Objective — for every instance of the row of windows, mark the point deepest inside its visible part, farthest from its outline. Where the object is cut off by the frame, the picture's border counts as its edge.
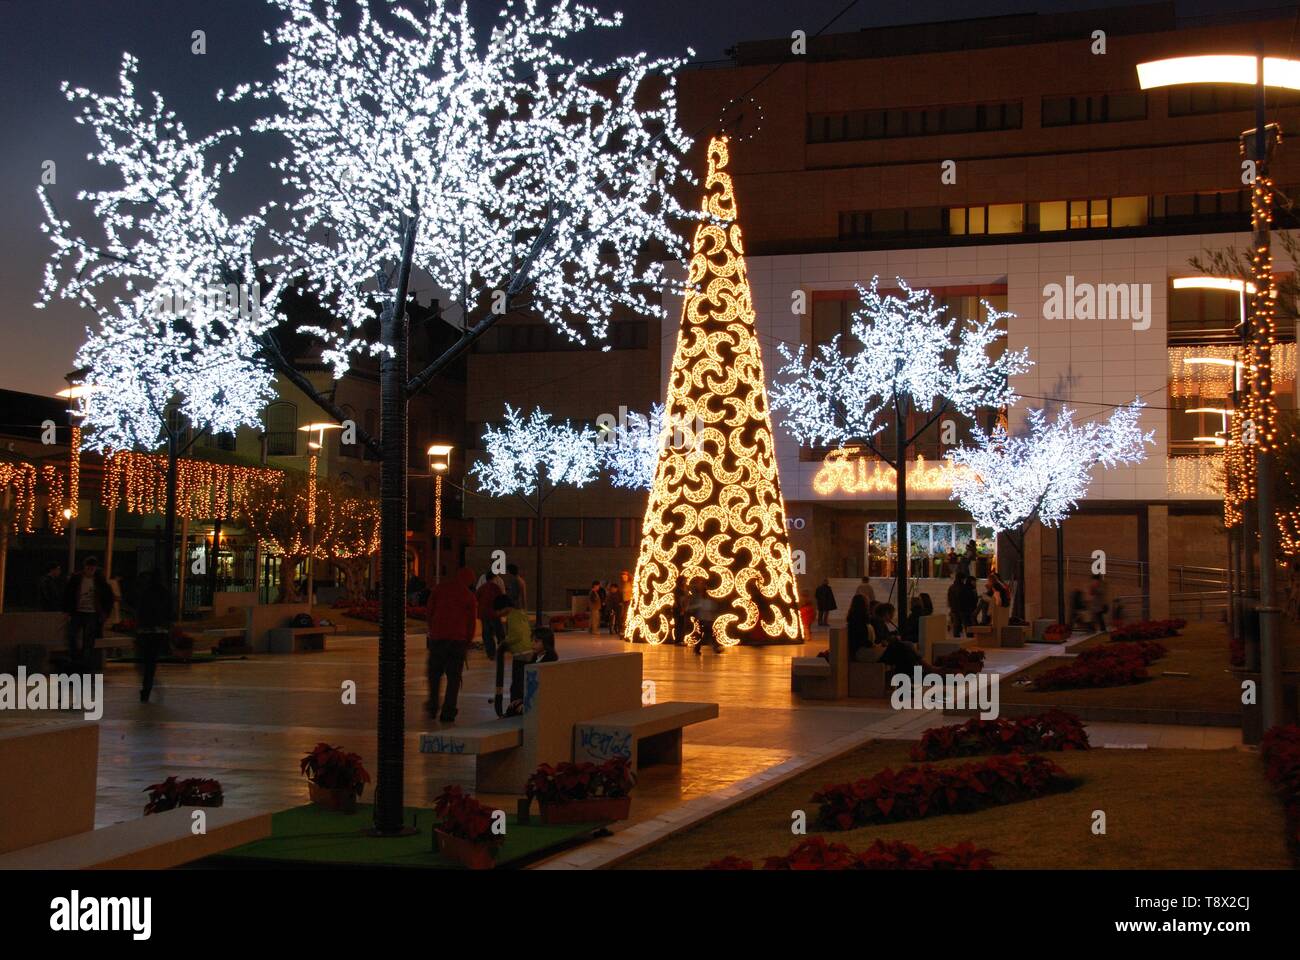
(543, 338)
(1093, 108)
(1056, 111)
(916, 122)
(560, 531)
(1047, 216)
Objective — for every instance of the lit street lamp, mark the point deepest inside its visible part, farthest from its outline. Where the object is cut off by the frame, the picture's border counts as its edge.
(439, 463)
(1258, 332)
(313, 445)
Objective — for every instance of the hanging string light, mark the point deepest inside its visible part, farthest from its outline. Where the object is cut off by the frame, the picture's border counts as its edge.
(19, 477)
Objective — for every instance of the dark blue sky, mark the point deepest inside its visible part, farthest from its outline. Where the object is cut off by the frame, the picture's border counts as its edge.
(43, 42)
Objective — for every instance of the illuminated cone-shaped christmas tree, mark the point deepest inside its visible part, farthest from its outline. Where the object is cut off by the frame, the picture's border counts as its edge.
(715, 514)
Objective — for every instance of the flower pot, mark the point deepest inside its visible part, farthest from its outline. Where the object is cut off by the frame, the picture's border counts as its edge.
(471, 854)
(597, 809)
(342, 799)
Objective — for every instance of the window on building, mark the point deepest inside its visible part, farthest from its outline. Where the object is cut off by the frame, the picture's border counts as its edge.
(629, 532)
(564, 532)
(224, 441)
(598, 532)
(281, 419)
(1093, 108)
(913, 121)
(524, 532)
(493, 532)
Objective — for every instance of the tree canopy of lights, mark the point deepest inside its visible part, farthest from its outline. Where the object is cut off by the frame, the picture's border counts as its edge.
(715, 511)
(904, 357)
(1041, 474)
(527, 179)
(531, 457)
(170, 279)
(630, 451)
(491, 166)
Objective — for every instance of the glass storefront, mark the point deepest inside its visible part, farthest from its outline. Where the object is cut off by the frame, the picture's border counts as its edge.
(931, 547)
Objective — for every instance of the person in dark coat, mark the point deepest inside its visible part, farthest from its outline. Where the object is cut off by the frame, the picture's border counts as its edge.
(88, 600)
(49, 589)
(825, 598)
(152, 616)
(857, 630)
(967, 602)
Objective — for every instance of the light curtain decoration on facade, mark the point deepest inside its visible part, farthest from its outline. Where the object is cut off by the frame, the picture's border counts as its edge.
(204, 491)
(715, 511)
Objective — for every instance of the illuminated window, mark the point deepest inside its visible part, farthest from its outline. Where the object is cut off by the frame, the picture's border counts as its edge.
(1006, 218)
(1128, 212)
(975, 222)
(1052, 215)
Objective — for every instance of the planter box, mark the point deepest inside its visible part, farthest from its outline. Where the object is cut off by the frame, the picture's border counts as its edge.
(342, 799)
(471, 854)
(599, 809)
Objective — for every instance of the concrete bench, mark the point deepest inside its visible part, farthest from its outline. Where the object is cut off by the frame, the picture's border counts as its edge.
(952, 645)
(227, 639)
(812, 678)
(504, 734)
(155, 842)
(990, 635)
(646, 735)
(296, 639)
(869, 680)
(932, 628)
(49, 792)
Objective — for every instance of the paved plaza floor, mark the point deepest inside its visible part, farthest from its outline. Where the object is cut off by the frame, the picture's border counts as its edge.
(247, 723)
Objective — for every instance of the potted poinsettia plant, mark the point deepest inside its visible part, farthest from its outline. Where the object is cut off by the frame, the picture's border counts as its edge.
(582, 792)
(335, 778)
(191, 792)
(464, 831)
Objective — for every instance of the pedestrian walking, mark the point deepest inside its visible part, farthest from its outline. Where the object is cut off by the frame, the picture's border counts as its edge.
(451, 613)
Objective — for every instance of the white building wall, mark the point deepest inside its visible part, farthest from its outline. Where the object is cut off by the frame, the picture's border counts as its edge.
(1082, 362)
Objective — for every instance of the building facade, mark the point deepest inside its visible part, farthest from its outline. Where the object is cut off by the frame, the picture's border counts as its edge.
(1013, 160)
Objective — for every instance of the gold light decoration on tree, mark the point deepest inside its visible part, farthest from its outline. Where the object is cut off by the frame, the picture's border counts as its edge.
(715, 510)
(208, 491)
(18, 479)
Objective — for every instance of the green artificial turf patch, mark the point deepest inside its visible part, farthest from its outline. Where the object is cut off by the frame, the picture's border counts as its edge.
(312, 835)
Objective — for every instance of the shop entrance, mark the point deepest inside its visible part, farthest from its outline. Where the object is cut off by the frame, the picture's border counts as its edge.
(930, 546)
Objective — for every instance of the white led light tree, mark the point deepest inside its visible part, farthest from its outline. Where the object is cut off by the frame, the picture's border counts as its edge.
(630, 452)
(171, 281)
(907, 359)
(492, 165)
(531, 458)
(1015, 479)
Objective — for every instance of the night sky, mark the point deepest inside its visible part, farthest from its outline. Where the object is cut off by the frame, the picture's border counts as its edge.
(47, 41)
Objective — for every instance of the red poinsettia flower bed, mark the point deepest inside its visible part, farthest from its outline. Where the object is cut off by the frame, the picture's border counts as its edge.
(915, 792)
(1110, 665)
(461, 815)
(581, 781)
(815, 853)
(959, 661)
(1148, 630)
(369, 610)
(1052, 730)
(1057, 633)
(1280, 750)
(333, 768)
(192, 792)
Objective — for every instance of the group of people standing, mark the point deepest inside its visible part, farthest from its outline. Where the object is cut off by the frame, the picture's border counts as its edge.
(497, 603)
(608, 603)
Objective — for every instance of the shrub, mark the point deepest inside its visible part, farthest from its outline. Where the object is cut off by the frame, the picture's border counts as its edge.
(1052, 730)
(581, 781)
(193, 792)
(959, 661)
(461, 815)
(1147, 630)
(916, 792)
(815, 853)
(333, 768)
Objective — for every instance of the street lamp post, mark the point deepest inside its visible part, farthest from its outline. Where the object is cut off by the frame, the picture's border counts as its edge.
(314, 445)
(1261, 72)
(439, 463)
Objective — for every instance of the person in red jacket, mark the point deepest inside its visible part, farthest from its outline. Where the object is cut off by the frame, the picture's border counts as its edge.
(452, 611)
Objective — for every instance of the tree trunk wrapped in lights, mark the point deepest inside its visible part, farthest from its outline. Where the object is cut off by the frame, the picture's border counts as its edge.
(715, 510)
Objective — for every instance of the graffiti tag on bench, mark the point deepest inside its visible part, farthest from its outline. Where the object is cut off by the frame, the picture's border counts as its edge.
(607, 743)
(439, 744)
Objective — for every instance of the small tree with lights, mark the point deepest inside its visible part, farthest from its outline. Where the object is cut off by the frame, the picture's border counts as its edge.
(1040, 475)
(530, 458)
(171, 282)
(907, 359)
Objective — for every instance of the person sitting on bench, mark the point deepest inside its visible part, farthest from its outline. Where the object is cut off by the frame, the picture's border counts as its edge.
(543, 652)
(882, 622)
(857, 630)
(518, 641)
